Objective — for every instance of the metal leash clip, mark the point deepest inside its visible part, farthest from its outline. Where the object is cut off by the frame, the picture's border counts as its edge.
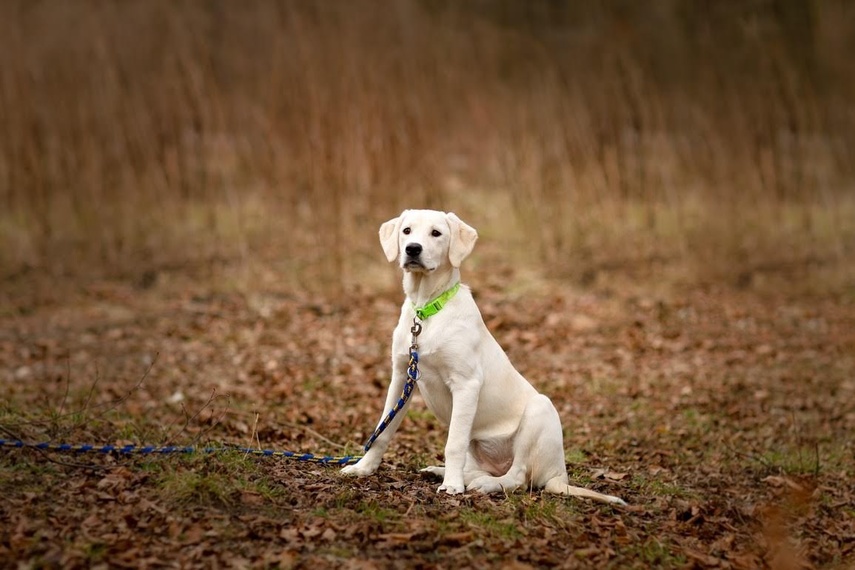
(416, 329)
(413, 367)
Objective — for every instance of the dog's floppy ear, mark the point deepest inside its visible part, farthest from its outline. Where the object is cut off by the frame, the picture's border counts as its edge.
(389, 237)
(463, 239)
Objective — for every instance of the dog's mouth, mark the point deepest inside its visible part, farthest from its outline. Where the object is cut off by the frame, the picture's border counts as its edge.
(413, 264)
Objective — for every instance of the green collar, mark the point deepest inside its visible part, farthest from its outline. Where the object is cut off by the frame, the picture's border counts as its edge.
(433, 307)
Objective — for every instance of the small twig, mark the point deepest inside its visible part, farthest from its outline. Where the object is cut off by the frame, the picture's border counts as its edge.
(10, 433)
(253, 431)
(797, 433)
(253, 435)
(111, 405)
(214, 422)
(190, 418)
(67, 384)
(70, 464)
(91, 389)
(115, 403)
(816, 469)
(315, 434)
(762, 461)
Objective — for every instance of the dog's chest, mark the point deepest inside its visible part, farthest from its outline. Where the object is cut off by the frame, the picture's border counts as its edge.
(436, 369)
(435, 391)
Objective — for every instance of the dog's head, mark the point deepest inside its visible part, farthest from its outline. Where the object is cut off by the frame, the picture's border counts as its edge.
(424, 240)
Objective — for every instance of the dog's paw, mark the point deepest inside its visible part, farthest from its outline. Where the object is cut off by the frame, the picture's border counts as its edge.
(434, 470)
(359, 469)
(486, 485)
(450, 489)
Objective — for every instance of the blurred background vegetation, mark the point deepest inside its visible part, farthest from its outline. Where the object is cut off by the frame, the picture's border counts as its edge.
(694, 140)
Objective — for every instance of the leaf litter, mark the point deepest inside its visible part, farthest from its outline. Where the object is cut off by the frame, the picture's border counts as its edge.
(724, 418)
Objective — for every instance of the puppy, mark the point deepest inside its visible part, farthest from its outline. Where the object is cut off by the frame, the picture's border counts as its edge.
(502, 433)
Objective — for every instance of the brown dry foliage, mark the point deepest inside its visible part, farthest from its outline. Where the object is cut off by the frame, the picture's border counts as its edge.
(715, 138)
(723, 418)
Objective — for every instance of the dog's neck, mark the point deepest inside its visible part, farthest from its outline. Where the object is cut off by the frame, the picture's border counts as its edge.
(421, 288)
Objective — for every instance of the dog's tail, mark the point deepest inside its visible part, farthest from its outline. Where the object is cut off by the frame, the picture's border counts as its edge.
(559, 486)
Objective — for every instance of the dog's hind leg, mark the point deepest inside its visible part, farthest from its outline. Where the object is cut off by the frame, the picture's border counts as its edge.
(538, 450)
(547, 456)
(470, 471)
(538, 457)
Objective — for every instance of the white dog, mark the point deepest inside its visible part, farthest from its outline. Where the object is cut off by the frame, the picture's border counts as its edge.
(502, 434)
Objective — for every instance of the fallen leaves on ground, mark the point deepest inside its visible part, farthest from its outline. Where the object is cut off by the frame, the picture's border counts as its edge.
(725, 419)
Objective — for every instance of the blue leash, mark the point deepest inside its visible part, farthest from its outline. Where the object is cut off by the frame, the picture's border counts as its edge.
(172, 449)
(132, 449)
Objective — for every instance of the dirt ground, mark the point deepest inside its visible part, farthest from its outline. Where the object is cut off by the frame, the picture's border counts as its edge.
(723, 417)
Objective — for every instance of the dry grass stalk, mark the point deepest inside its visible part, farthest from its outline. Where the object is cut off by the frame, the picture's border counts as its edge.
(150, 132)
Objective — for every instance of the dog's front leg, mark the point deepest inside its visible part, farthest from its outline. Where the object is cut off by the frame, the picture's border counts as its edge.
(371, 460)
(464, 404)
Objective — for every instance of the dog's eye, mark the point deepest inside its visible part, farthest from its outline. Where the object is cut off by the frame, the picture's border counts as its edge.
(407, 231)
(436, 233)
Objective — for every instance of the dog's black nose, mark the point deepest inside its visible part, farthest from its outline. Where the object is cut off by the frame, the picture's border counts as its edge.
(413, 249)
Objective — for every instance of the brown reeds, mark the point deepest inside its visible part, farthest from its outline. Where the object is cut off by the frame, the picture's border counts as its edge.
(713, 137)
